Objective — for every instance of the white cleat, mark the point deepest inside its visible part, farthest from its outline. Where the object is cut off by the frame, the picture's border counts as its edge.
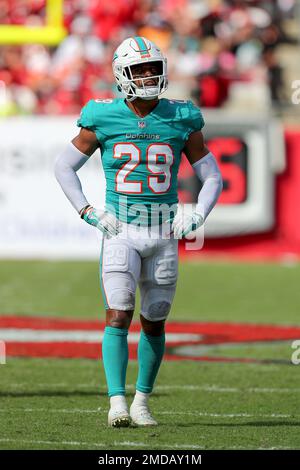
(141, 416)
(118, 418)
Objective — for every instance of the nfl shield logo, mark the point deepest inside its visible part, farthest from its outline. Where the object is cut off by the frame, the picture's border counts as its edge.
(141, 124)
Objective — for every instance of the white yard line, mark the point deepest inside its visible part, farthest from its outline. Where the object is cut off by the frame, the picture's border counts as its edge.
(218, 389)
(224, 415)
(169, 446)
(171, 413)
(25, 335)
(260, 448)
(131, 444)
(188, 388)
(69, 443)
(99, 444)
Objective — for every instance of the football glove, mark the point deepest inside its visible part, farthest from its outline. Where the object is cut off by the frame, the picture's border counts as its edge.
(185, 223)
(106, 222)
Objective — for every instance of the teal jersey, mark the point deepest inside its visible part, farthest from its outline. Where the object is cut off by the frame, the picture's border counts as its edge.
(141, 156)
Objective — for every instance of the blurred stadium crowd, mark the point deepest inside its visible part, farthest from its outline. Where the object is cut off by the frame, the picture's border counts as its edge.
(216, 50)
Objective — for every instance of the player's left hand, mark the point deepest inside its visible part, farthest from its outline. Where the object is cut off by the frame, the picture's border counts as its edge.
(185, 223)
(103, 220)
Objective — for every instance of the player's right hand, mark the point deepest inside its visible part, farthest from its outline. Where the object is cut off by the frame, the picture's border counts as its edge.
(183, 224)
(106, 222)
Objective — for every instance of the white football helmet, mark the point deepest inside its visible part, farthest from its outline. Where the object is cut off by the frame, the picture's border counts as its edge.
(139, 50)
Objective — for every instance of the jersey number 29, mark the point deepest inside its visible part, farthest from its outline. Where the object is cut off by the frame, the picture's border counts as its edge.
(159, 177)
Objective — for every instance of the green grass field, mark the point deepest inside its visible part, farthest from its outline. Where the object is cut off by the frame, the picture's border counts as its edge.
(62, 403)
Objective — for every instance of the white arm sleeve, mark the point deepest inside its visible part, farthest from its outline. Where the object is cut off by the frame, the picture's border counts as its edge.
(66, 165)
(210, 176)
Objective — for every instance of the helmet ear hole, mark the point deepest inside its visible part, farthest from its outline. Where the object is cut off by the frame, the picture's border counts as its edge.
(159, 65)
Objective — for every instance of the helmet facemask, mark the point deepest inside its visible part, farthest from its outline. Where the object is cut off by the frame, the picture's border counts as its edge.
(127, 83)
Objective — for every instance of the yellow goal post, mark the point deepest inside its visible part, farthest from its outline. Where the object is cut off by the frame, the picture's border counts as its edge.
(51, 34)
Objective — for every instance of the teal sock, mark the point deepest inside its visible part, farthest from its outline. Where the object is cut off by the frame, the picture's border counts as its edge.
(115, 359)
(150, 353)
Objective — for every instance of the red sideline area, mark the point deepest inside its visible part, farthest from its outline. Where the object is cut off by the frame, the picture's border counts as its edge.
(208, 334)
(283, 242)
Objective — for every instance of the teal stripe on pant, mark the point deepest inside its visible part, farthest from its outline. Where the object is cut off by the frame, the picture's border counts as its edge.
(150, 353)
(115, 359)
(101, 276)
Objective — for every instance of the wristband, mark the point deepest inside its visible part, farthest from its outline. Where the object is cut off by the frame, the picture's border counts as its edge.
(83, 210)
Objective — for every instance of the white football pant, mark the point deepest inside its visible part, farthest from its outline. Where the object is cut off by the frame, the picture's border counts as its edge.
(134, 258)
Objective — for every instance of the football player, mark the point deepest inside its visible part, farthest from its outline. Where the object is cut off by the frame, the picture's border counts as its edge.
(141, 139)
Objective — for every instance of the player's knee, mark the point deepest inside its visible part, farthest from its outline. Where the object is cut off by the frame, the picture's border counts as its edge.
(153, 328)
(119, 323)
(119, 318)
(157, 311)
